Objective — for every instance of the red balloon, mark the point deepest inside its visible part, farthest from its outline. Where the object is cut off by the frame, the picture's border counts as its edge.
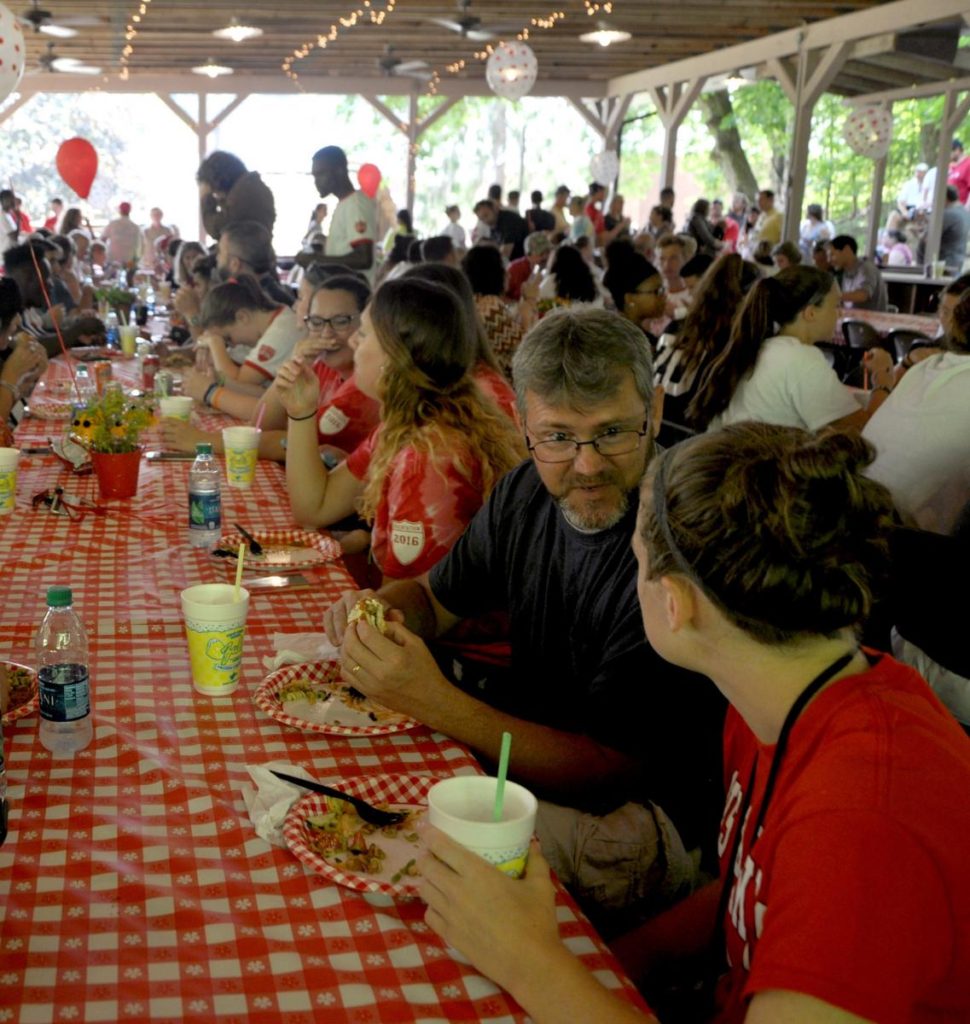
(370, 178)
(77, 164)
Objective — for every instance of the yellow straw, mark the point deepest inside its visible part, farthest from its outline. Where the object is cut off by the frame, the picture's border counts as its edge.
(240, 557)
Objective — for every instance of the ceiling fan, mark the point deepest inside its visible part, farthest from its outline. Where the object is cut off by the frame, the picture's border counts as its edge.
(471, 27)
(53, 63)
(61, 28)
(392, 66)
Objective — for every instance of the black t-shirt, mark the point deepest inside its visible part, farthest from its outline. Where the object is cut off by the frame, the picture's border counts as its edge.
(510, 229)
(538, 219)
(580, 659)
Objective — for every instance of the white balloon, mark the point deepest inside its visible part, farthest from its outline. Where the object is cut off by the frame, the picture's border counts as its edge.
(12, 53)
(868, 130)
(511, 70)
(605, 166)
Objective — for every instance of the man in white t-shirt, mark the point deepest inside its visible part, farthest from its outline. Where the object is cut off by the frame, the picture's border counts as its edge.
(123, 238)
(353, 226)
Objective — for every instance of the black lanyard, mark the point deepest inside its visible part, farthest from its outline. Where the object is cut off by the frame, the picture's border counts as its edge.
(796, 709)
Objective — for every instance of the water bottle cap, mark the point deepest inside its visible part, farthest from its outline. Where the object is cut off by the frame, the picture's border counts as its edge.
(203, 448)
(59, 597)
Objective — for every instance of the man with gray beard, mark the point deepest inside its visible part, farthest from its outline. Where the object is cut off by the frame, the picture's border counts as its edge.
(623, 748)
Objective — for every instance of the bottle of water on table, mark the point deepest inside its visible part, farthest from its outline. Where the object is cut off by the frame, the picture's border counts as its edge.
(62, 665)
(111, 335)
(205, 499)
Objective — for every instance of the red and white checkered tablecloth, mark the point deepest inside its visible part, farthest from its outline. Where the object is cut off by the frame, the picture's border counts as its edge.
(132, 883)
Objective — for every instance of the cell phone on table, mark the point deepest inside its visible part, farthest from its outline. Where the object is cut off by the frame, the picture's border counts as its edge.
(170, 456)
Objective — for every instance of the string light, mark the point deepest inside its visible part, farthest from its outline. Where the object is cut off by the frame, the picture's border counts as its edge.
(595, 8)
(366, 12)
(542, 22)
(131, 31)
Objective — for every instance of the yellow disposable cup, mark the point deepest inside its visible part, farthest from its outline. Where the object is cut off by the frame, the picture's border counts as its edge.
(241, 445)
(215, 626)
(128, 334)
(8, 479)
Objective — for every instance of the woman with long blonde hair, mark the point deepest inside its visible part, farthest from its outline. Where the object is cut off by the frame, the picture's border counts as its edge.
(441, 444)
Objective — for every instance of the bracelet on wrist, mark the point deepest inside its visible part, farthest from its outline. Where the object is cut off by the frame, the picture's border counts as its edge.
(209, 393)
(884, 387)
(297, 419)
(213, 402)
(10, 387)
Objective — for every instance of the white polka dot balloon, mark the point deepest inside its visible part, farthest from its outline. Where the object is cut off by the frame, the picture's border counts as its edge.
(868, 130)
(511, 70)
(12, 53)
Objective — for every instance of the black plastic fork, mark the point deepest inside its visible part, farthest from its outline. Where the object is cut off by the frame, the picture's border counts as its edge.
(368, 812)
(255, 548)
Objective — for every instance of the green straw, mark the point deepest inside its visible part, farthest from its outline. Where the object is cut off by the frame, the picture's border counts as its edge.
(503, 771)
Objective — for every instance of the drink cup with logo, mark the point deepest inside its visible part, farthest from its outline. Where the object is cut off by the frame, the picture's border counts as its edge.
(462, 807)
(241, 446)
(8, 479)
(215, 625)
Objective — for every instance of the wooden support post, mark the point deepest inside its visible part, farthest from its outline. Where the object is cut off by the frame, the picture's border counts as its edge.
(673, 103)
(809, 86)
(413, 129)
(952, 115)
(201, 125)
(875, 205)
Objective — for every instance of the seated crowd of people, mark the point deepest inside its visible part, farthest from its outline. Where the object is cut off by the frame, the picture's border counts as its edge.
(619, 504)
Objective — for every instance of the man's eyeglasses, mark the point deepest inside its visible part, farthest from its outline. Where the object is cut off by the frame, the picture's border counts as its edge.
(335, 323)
(610, 442)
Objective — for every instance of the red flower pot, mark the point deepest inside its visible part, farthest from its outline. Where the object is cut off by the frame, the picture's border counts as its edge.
(117, 473)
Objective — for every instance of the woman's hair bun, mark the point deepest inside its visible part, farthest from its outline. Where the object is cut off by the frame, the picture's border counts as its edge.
(782, 528)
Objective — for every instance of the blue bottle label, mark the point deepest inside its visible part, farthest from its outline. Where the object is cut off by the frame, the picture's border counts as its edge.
(205, 511)
(64, 693)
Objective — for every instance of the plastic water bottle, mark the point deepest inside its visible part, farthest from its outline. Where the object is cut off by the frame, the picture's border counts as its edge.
(112, 338)
(62, 665)
(86, 388)
(205, 500)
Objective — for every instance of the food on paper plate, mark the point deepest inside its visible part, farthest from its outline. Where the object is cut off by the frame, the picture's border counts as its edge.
(343, 839)
(303, 689)
(371, 611)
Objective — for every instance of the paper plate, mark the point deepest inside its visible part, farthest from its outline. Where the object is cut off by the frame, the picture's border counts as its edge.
(284, 549)
(24, 695)
(399, 844)
(329, 707)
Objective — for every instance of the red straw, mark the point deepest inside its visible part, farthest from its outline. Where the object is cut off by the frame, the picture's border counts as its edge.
(260, 412)
(54, 320)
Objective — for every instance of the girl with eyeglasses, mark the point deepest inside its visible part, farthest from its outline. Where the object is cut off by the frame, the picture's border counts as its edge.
(843, 894)
(331, 314)
(439, 449)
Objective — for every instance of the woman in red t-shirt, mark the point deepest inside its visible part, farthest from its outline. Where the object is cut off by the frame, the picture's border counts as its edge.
(439, 449)
(844, 837)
